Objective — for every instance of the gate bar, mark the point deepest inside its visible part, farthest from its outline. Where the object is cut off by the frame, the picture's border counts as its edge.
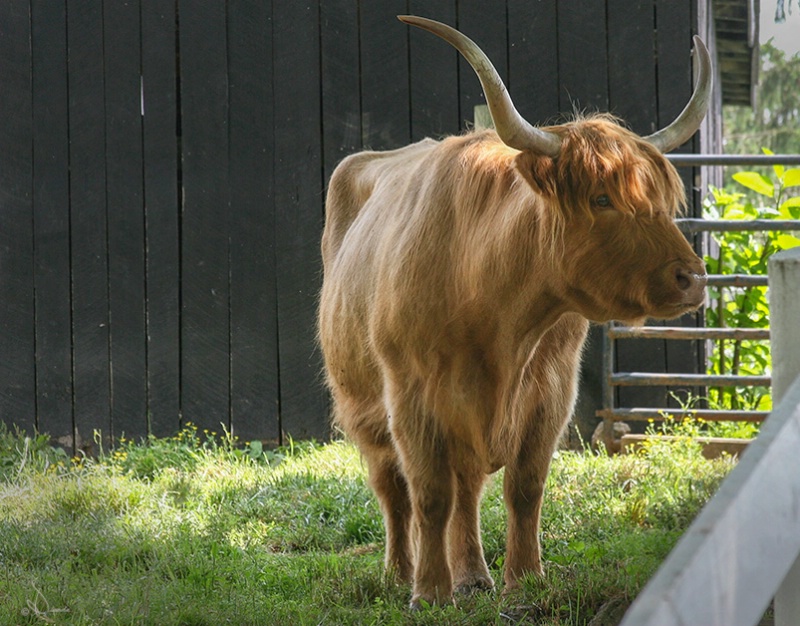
(736, 280)
(710, 415)
(680, 332)
(687, 160)
(636, 379)
(697, 225)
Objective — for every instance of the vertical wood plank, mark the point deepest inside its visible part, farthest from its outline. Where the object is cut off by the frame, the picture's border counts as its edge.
(632, 63)
(124, 193)
(533, 59)
(17, 375)
(583, 56)
(673, 45)
(88, 219)
(205, 225)
(341, 89)
(341, 100)
(162, 212)
(583, 84)
(385, 95)
(674, 84)
(298, 219)
(632, 96)
(51, 218)
(254, 333)
(675, 21)
(433, 68)
(489, 29)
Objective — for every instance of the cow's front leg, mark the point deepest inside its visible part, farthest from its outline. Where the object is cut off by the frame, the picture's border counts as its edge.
(523, 496)
(430, 482)
(523, 489)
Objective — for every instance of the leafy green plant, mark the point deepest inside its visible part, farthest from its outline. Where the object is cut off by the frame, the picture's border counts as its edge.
(693, 426)
(19, 451)
(758, 197)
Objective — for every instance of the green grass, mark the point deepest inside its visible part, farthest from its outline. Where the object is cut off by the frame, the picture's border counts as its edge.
(200, 531)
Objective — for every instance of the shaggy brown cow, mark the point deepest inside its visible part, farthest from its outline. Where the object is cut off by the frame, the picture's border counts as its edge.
(460, 278)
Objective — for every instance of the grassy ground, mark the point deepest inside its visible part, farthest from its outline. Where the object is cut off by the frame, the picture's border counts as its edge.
(188, 532)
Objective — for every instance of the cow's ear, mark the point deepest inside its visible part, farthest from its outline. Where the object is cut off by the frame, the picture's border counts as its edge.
(540, 172)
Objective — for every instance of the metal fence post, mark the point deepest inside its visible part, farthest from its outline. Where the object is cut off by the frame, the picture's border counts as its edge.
(784, 304)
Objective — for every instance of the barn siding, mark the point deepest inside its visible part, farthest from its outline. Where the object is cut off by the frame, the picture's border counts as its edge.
(162, 177)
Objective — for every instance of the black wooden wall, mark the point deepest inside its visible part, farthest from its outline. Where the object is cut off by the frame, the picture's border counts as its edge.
(162, 176)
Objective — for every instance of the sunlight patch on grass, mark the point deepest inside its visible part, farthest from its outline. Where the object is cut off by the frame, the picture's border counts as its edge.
(188, 530)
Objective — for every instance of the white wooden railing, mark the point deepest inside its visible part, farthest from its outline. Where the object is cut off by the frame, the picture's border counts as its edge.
(742, 549)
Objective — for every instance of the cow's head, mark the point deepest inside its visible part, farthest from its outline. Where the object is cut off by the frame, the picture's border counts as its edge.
(611, 197)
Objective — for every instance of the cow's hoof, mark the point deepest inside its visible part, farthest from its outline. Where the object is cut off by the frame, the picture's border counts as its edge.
(476, 584)
(419, 603)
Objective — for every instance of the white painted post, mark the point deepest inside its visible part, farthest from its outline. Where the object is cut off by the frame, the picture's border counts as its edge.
(784, 307)
(482, 116)
(784, 320)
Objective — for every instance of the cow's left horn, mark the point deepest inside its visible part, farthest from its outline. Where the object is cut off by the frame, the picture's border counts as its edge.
(512, 128)
(687, 123)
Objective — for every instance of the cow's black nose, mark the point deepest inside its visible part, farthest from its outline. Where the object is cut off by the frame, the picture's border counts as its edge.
(688, 280)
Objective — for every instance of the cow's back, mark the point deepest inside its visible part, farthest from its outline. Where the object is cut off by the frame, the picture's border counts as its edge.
(355, 180)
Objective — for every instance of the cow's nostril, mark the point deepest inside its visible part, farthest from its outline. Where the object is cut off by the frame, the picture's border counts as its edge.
(684, 279)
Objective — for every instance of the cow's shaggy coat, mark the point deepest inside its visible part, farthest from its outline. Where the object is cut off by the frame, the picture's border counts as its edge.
(459, 280)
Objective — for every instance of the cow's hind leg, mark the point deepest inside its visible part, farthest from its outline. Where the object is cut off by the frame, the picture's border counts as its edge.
(470, 572)
(387, 481)
(371, 434)
(426, 466)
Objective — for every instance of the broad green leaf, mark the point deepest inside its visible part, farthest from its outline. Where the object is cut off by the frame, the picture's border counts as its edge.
(786, 241)
(712, 265)
(757, 182)
(790, 209)
(739, 211)
(256, 448)
(768, 212)
(778, 169)
(791, 178)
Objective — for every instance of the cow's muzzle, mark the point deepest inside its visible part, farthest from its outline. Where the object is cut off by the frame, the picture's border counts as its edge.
(691, 285)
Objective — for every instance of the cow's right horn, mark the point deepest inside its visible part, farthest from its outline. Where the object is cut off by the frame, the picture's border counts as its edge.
(511, 127)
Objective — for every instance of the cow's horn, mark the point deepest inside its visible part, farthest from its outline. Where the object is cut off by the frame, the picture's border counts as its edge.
(512, 128)
(687, 123)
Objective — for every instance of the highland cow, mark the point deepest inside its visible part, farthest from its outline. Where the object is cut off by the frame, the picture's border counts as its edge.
(460, 278)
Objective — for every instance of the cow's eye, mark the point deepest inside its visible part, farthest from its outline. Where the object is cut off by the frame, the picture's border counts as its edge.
(603, 201)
